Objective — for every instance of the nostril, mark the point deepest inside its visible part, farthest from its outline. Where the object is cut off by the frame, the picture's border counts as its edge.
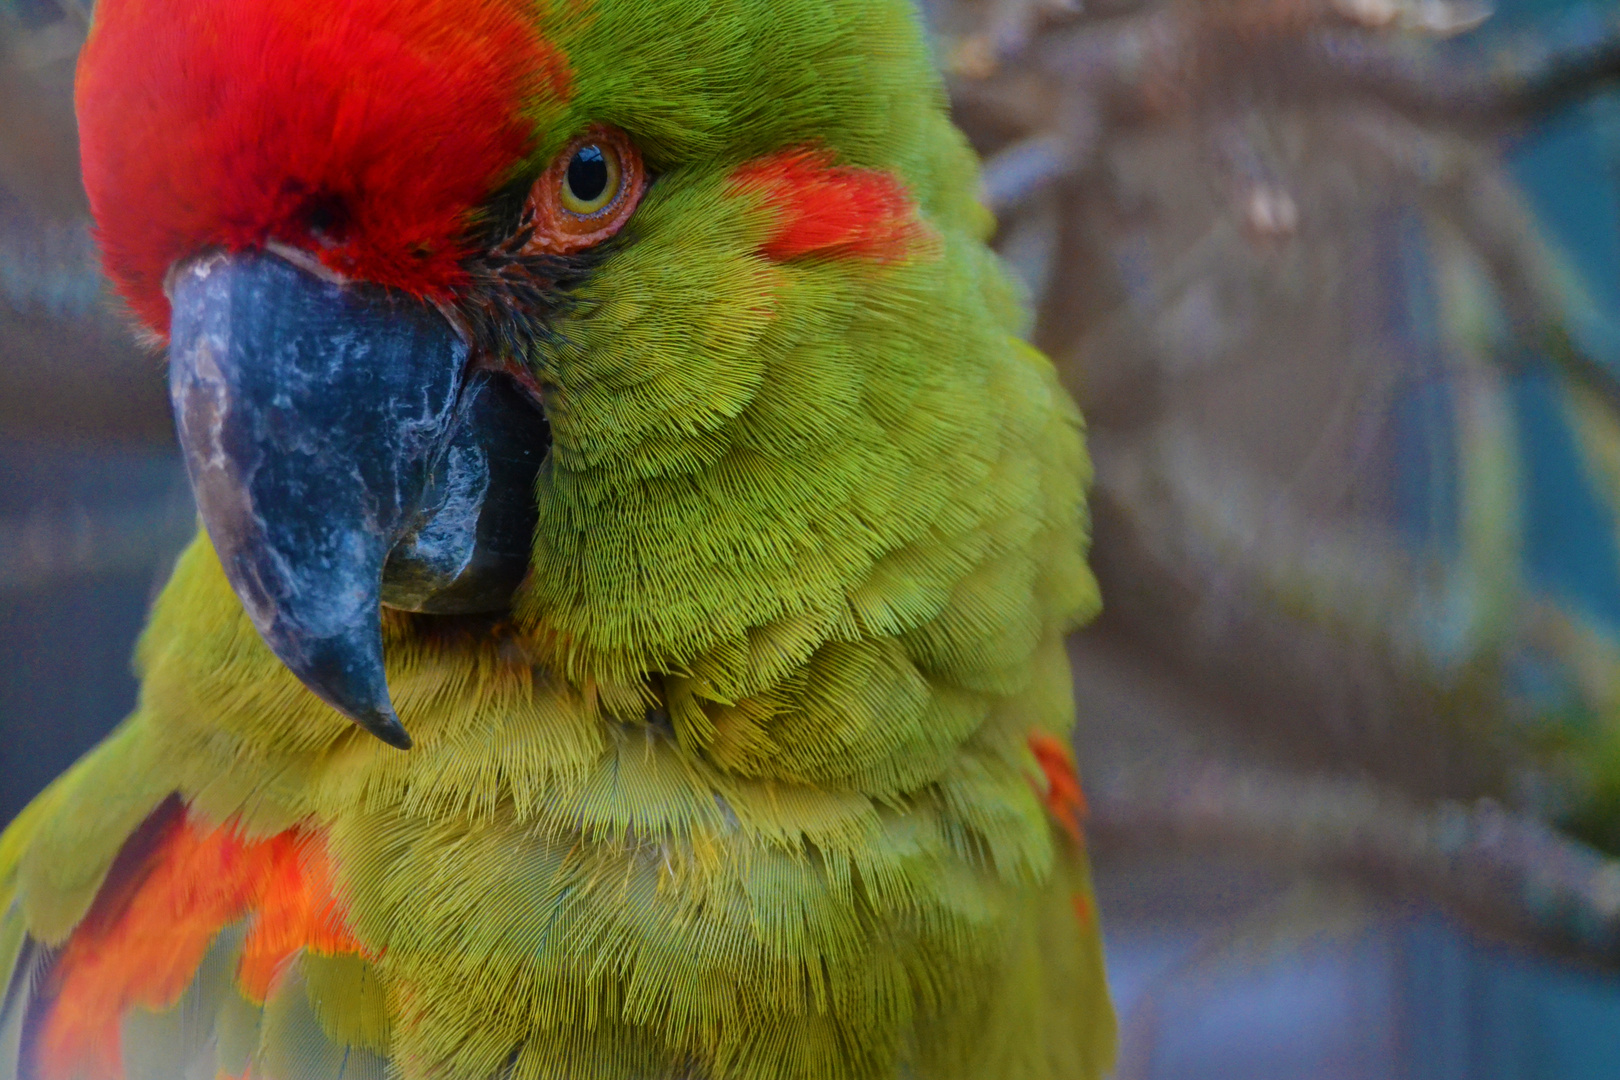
(327, 218)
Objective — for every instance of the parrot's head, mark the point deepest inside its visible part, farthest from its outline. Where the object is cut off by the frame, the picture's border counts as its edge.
(560, 308)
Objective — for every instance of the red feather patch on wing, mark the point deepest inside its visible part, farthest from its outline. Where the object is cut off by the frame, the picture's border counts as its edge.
(825, 209)
(1063, 797)
(152, 923)
(365, 131)
(1065, 801)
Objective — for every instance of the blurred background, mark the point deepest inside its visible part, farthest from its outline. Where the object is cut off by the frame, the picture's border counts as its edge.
(1337, 283)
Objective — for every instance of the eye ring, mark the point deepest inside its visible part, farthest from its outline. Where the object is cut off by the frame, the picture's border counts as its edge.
(586, 194)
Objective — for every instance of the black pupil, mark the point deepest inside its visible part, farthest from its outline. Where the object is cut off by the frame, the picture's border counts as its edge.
(587, 174)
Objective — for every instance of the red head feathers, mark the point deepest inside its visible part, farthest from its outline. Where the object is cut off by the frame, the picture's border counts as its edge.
(365, 131)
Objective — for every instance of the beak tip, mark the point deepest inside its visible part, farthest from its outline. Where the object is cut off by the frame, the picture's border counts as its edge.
(386, 726)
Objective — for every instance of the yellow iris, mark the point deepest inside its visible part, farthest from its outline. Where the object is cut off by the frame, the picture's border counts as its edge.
(591, 182)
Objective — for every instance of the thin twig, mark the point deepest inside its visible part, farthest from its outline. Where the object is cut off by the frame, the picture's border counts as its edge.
(1023, 170)
(1169, 63)
(43, 549)
(1503, 872)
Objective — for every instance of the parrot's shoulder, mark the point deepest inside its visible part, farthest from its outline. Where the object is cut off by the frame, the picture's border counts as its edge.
(137, 933)
(17, 949)
(55, 855)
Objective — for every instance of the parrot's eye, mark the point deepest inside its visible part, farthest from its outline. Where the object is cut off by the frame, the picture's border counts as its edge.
(591, 181)
(587, 193)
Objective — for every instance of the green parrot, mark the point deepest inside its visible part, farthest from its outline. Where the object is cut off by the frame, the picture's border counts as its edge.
(611, 407)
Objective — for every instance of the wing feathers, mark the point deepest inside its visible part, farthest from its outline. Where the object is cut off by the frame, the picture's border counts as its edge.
(187, 966)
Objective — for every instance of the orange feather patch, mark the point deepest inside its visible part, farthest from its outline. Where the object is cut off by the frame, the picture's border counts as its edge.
(1063, 797)
(824, 209)
(152, 923)
(1065, 801)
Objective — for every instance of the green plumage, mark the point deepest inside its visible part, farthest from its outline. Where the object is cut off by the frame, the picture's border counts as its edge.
(743, 788)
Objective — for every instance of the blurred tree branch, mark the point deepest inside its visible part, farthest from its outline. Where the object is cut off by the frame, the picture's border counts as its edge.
(40, 550)
(1509, 875)
(1256, 232)
(69, 365)
(1158, 63)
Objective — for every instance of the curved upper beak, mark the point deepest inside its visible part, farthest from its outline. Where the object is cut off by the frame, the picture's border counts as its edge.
(343, 454)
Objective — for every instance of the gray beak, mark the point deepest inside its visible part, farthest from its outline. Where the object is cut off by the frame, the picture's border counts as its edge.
(344, 456)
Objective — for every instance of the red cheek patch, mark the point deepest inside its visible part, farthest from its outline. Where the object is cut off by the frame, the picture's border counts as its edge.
(365, 131)
(828, 210)
(155, 918)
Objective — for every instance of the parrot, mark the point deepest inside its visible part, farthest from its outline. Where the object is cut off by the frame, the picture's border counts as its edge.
(625, 632)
